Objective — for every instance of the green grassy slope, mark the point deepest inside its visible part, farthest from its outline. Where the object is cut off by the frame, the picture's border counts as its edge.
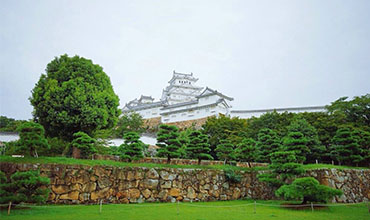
(210, 210)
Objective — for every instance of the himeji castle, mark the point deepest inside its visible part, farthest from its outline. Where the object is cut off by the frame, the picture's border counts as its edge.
(183, 100)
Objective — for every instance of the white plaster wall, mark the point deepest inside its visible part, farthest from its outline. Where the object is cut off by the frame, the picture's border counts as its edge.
(258, 114)
(192, 115)
(150, 113)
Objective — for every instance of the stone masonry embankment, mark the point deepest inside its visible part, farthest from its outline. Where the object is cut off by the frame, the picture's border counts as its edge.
(80, 184)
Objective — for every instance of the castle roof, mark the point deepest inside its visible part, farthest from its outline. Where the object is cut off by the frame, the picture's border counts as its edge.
(209, 92)
(188, 76)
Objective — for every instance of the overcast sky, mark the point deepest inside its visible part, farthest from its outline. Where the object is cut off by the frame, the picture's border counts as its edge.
(264, 54)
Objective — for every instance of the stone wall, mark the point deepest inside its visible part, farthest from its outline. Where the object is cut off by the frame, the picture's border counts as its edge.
(196, 123)
(355, 184)
(74, 184)
(153, 123)
(177, 161)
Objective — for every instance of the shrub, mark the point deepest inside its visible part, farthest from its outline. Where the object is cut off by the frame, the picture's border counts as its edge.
(32, 138)
(231, 176)
(84, 143)
(23, 187)
(307, 189)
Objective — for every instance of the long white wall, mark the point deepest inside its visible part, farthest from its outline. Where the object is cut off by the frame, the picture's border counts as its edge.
(257, 113)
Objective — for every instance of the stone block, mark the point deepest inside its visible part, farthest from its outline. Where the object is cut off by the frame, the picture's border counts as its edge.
(133, 193)
(60, 189)
(152, 174)
(70, 196)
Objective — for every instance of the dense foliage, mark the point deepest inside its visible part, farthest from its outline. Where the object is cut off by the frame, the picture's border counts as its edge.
(84, 143)
(297, 143)
(74, 95)
(168, 141)
(132, 148)
(198, 147)
(222, 128)
(307, 189)
(129, 122)
(246, 150)
(225, 151)
(268, 142)
(345, 148)
(274, 132)
(284, 168)
(9, 124)
(23, 187)
(315, 149)
(32, 139)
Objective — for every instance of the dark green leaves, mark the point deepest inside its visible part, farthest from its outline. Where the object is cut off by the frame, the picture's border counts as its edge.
(74, 95)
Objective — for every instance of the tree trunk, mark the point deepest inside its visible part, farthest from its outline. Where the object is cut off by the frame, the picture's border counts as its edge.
(304, 200)
(168, 160)
(10, 205)
(76, 153)
(199, 161)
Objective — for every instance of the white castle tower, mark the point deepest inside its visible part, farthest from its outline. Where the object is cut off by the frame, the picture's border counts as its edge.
(182, 88)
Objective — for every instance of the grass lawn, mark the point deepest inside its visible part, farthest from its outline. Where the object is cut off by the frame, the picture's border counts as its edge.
(66, 160)
(202, 210)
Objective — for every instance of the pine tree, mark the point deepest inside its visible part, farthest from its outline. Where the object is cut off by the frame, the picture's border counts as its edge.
(363, 138)
(84, 143)
(309, 132)
(225, 151)
(32, 138)
(23, 187)
(132, 148)
(168, 141)
(284, 168)
(297, 143)
(268, 142)
(246, 150)
(307, 189)
(198, 146)
(346, 148)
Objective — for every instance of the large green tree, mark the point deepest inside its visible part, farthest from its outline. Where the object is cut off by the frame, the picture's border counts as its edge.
(246, 151)
(275, 121)
(310, 134)
(297, 143)
(356, 111)
(130, 122)
(74, 95)
(132, 148)
(198, 146)
(363, 139)
(268, 142)
(346, 148)
(168, 141)
(32, 139)
(223, 127)
(225, 151)
(9, 124)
